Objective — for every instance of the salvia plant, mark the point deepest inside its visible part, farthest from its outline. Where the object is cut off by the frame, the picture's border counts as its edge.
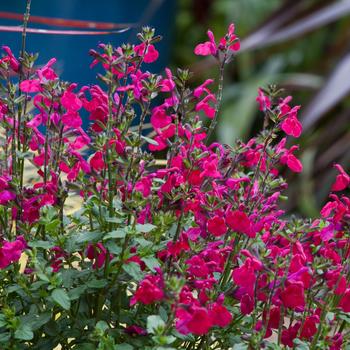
(192, 252)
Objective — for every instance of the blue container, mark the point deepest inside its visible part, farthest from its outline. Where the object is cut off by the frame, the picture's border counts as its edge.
(72, 51)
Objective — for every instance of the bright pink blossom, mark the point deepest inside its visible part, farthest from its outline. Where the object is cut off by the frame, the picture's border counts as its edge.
(216, 226)
(342, 181)
(293, 295)
(149, 290)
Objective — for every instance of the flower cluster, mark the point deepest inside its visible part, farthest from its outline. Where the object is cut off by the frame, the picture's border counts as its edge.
(192, 252)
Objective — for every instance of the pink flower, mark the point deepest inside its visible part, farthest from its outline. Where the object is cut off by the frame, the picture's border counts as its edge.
(167, 85)
(263, 100)
(98, 253)
(149, 55)
(238, 221)
(219, 315)
(196, 321)
(159, 118)
(197, 267)
(6, 196)
(30, 86)
(11, 251)
(207, 48)
(344, 303)
(206, 107)
(216, 226)
(14, 64)
(293, 296)
(247, 304)
(229, 42)
(71, 101)
(289, 334)
(342, 181)
(210, 167)
(291, 160)
(309, 328)
(245, 277)
(149, 291)
(96, 162)
(198, 91)
(72, 119)
(144, 186)
(291, 126)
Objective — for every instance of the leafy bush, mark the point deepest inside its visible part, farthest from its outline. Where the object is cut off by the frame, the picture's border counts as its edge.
(190, 253)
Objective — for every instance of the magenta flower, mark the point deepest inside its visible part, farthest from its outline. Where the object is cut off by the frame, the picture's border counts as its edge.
(342, 180)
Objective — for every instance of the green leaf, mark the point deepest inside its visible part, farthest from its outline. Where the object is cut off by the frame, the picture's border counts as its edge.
(24, 332)
(88, 237)
(143, 242)
(150, 141)
(145, 228)
(52, 225)
(2, 320)
(5, 337)
(36, 320)
(240, 346)
(60, 296)
(97, 284)
(115, 220)
(102, 326)
(300, 345)
(163, 339)
(41, 244)
(113, 247)
(123, 346)
(75, 293)
(115, 234)
(85, 346)
(151, 262)
(344, 317)
(155, 324)
(133, 270)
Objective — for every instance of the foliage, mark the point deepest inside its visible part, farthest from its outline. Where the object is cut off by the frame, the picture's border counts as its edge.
(191, 254)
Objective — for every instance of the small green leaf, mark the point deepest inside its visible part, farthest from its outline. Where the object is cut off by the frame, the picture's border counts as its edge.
(2, 320)
(143, 242)
(75, 293)
(151, 262)
(133, 270)
(240, 346)
(102, 326)
(52, 225)
(5, 337)
(88, 237)
(300, 345)
(85, 346)
(150, 141)
(123, 346)
(114, 220)
(24, 332)
(41, 244)
(155, 324)
(113, 247)
(115, 234)
(60, 296)
(96, 284)
(145, 228)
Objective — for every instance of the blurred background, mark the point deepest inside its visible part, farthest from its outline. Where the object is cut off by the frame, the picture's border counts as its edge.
(302, 46)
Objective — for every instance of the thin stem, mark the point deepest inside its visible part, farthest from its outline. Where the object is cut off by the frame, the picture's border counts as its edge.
(218, 99)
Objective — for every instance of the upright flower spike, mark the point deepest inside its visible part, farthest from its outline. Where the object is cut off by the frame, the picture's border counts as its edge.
(263, 100)
(229, 42)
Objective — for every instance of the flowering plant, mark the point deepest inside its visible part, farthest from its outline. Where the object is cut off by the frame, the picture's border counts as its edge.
(190, 253)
